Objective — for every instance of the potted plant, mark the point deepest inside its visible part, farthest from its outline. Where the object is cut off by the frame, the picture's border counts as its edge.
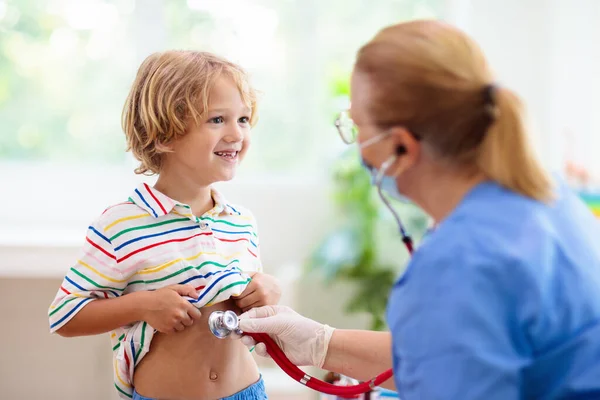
(365, 249)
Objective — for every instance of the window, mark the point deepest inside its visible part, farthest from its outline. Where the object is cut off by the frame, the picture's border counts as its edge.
(66, 67)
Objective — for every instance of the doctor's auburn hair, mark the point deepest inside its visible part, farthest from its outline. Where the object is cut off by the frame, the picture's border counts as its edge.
(170, 92)
(434, 80)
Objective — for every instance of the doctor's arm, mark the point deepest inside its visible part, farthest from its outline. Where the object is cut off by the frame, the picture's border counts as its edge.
(355, 353)
(360, 354)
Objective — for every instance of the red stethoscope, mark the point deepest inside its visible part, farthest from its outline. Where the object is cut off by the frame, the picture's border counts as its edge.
(223, 323)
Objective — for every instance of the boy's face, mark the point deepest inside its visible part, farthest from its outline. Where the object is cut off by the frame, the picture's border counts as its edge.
(211, 151)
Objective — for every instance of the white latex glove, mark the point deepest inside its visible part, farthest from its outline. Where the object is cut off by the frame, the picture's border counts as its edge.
(303, 340)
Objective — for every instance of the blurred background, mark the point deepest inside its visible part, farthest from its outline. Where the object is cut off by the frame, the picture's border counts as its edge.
(65, 70)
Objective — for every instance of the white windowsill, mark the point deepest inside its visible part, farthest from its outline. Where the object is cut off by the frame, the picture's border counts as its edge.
(43, 221)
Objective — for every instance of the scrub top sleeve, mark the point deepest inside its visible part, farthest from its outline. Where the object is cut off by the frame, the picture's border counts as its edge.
(455, 331)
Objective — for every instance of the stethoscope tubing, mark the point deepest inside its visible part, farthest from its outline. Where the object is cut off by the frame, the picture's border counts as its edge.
(309, 381)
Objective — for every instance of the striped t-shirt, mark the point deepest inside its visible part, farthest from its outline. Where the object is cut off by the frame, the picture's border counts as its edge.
(149, 242)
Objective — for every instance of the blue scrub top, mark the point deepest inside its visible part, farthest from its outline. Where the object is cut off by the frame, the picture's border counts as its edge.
(501, 301)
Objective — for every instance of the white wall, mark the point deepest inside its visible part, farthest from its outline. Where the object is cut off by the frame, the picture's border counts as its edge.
(546, 50)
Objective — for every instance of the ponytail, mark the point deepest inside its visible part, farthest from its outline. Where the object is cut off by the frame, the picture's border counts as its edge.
(506, 155)
(434, 80)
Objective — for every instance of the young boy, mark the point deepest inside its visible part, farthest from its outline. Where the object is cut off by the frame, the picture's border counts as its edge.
(154, 267)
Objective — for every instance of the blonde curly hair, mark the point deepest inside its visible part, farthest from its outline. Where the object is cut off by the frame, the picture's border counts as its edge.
(171, 88)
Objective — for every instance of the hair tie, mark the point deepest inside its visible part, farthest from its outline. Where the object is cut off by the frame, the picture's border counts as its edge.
(489, 100)
(489, 95)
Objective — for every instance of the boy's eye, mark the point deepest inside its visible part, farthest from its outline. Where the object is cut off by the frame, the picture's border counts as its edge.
(244, 120)
(217, 120)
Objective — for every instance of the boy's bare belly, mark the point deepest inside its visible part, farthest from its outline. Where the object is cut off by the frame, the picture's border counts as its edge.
(195, 365)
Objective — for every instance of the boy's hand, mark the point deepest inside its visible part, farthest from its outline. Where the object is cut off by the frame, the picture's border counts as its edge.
(167, 311)
(262, 290)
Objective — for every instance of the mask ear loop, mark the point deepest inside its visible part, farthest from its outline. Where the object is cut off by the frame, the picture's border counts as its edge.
(378, 181)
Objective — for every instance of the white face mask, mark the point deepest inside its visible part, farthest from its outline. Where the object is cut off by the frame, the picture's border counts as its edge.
(385, 182)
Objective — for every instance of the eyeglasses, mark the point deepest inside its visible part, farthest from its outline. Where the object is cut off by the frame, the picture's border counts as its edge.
(348, 130)
(346, 127)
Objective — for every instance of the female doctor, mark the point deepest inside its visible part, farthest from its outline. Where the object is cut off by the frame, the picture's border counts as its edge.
(502, 300)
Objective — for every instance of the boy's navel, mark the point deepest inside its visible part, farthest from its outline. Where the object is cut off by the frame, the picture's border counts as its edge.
(213, 376)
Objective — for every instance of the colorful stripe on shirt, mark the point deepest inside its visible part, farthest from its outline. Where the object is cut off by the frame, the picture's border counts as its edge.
(149, 242)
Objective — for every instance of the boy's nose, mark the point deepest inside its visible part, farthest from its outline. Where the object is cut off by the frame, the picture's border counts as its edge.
(234, 134)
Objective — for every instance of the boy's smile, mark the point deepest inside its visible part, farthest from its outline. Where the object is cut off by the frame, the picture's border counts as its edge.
(211, 150)
(228, 155)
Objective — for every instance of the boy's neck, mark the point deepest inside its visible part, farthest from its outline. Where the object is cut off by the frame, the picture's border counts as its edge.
(186, 191)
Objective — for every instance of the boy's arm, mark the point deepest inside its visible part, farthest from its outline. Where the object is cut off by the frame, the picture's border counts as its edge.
(90, 300)
(164, 309)
(94, 276)
(104, 316)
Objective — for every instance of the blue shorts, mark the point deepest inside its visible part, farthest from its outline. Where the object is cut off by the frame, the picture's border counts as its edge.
(255, 391)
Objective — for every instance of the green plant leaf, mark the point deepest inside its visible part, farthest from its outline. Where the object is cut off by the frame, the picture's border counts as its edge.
(354, 251)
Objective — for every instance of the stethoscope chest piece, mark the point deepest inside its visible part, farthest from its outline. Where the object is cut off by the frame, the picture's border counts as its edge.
(223, 323)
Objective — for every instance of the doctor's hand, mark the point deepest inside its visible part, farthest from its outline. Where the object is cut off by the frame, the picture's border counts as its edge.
(262, 290)
(303, 340)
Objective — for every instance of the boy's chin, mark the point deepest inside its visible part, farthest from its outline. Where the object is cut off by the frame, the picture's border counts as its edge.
(226, 177)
